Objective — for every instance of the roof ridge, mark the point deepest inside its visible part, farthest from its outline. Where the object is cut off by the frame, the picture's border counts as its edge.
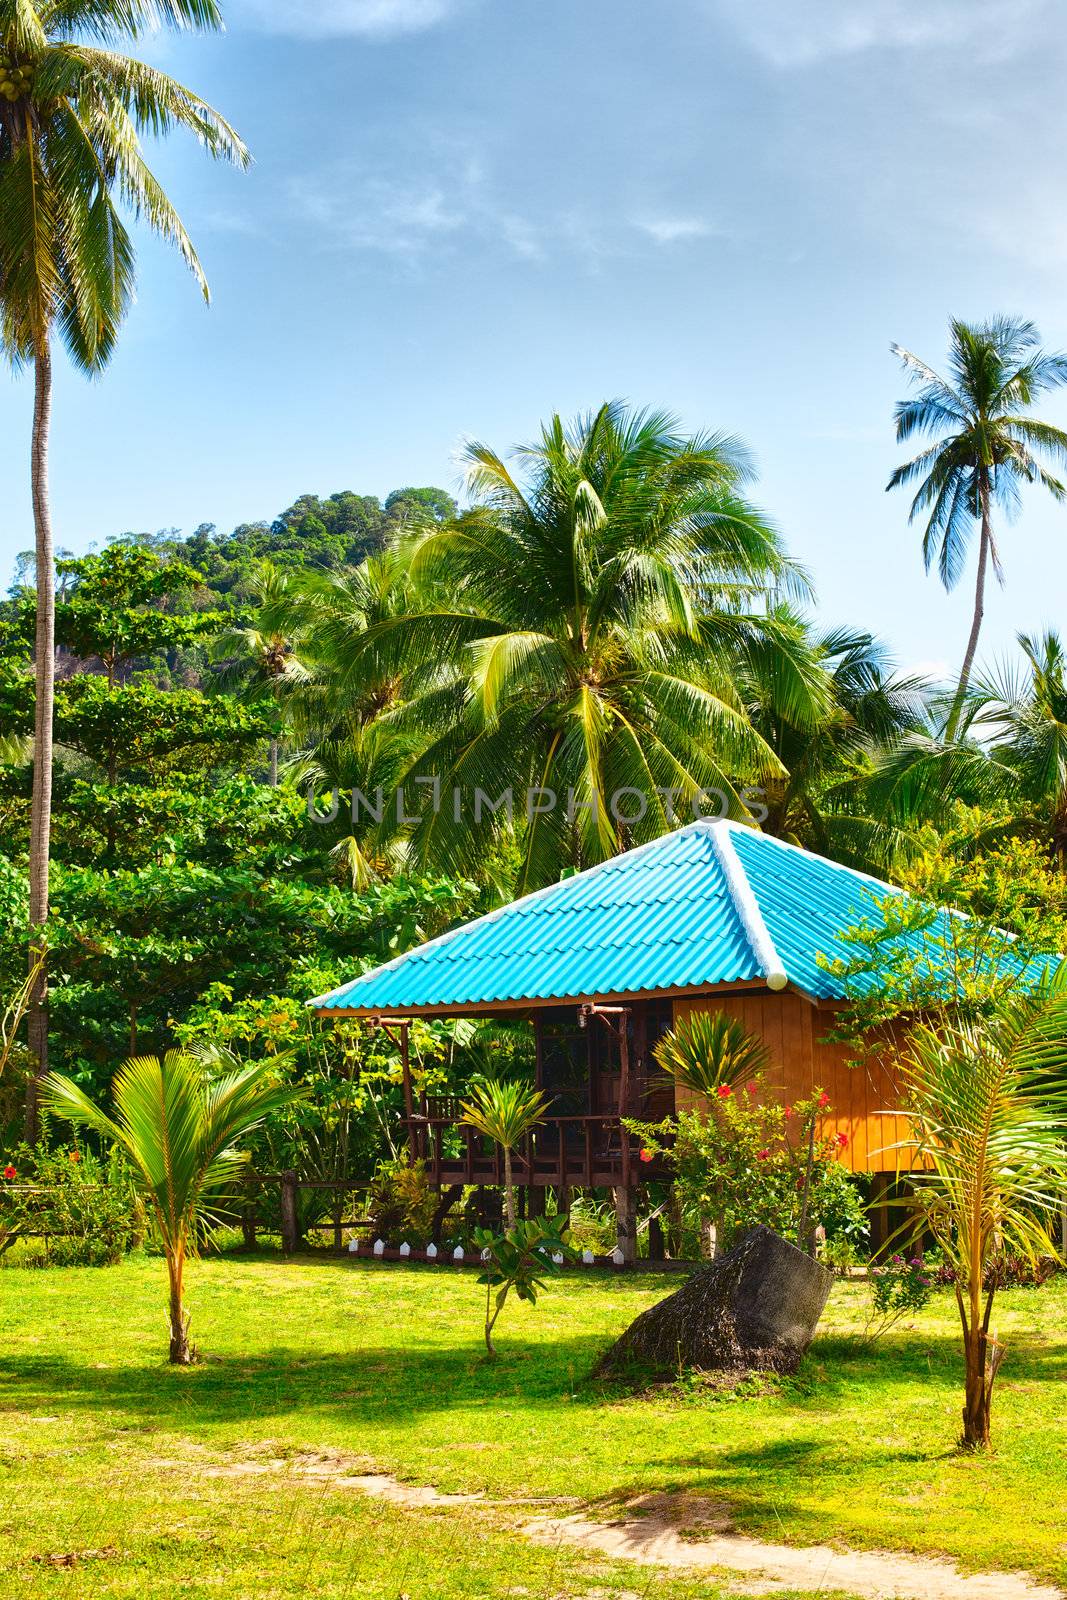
(838, 866)
(749, 913)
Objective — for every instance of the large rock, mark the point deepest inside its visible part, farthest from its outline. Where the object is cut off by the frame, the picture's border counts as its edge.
(754, 1309)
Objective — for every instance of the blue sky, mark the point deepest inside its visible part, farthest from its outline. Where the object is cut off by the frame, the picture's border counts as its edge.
(467, 213)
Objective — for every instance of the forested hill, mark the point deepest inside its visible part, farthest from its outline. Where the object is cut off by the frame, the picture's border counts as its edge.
(324, 534)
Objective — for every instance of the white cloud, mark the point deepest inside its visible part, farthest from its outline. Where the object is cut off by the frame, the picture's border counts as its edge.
(791, 35)
(325, 19)
(413, 216)
(673, 230)
(430, 193)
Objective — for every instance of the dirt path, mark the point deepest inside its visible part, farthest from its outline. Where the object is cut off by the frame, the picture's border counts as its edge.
(655, 1540)
(677, 1531)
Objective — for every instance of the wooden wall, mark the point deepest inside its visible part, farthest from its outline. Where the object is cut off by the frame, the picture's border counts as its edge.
(862, 1098)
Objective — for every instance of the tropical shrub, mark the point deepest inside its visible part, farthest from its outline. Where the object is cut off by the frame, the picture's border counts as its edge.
(898, 1288)
(744, 1161)
(505, 1112)
(401, 1205)
(71, 1207)
(708, 1049)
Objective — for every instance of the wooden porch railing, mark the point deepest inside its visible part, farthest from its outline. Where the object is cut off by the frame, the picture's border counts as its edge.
(580, 1151)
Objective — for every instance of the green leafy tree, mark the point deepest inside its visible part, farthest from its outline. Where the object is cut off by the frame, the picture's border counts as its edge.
(987, 445)
(180, 1129)
(121, 605)
(71, 170)
(505, 1112)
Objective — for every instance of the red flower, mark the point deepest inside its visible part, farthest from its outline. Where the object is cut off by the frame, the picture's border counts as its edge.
(842, 1141)
(824, 1099)
(724, 1091)
(75, 1155)
(789, 1113)
(10, 1172)
(763, 1155)
(646, 1155)
(753, 1088)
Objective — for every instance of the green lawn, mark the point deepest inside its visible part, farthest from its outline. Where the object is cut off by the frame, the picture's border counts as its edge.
(106, 1448)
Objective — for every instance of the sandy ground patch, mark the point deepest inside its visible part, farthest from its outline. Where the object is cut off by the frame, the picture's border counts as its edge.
(676, 1531)
(671, 1532)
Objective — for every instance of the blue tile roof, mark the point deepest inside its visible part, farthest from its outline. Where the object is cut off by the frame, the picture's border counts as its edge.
(713, 903)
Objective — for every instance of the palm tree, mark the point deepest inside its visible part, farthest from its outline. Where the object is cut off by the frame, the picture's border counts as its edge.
(350, 727)
(589, 623)
(259, 659)
(70, 164)
(987, 446)
(179, 1125)
(1025, 716)
(987, 1102)
(823, 799)
(505, 1113)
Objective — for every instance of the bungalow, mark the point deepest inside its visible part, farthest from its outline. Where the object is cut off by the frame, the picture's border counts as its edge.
(603, 963)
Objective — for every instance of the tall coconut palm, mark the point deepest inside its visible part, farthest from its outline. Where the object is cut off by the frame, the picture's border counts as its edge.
(590, 622)
(72, 109)
(987, 445)
(179, 1123)
(505, 1113)
(987, 1103)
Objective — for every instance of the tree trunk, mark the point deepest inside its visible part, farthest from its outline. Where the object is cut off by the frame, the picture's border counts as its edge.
(180, 1353)
(509, 1187)
(982, 1358)
(44, 673)
(984, 549)
(977, 1396)
(274, 763)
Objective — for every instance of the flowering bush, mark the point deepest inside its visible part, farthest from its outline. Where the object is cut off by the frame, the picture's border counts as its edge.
(72, 1208)
(744, 1161)
(897, 1289)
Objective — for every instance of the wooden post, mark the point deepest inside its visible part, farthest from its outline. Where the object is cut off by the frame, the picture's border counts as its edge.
(624, 1093)
(879, 1213)
(290, 1227)
(248, 1218)
(626, 1222)
(409, 1098)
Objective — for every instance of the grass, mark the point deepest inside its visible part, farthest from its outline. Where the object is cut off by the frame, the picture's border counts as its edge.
(105, 1448)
